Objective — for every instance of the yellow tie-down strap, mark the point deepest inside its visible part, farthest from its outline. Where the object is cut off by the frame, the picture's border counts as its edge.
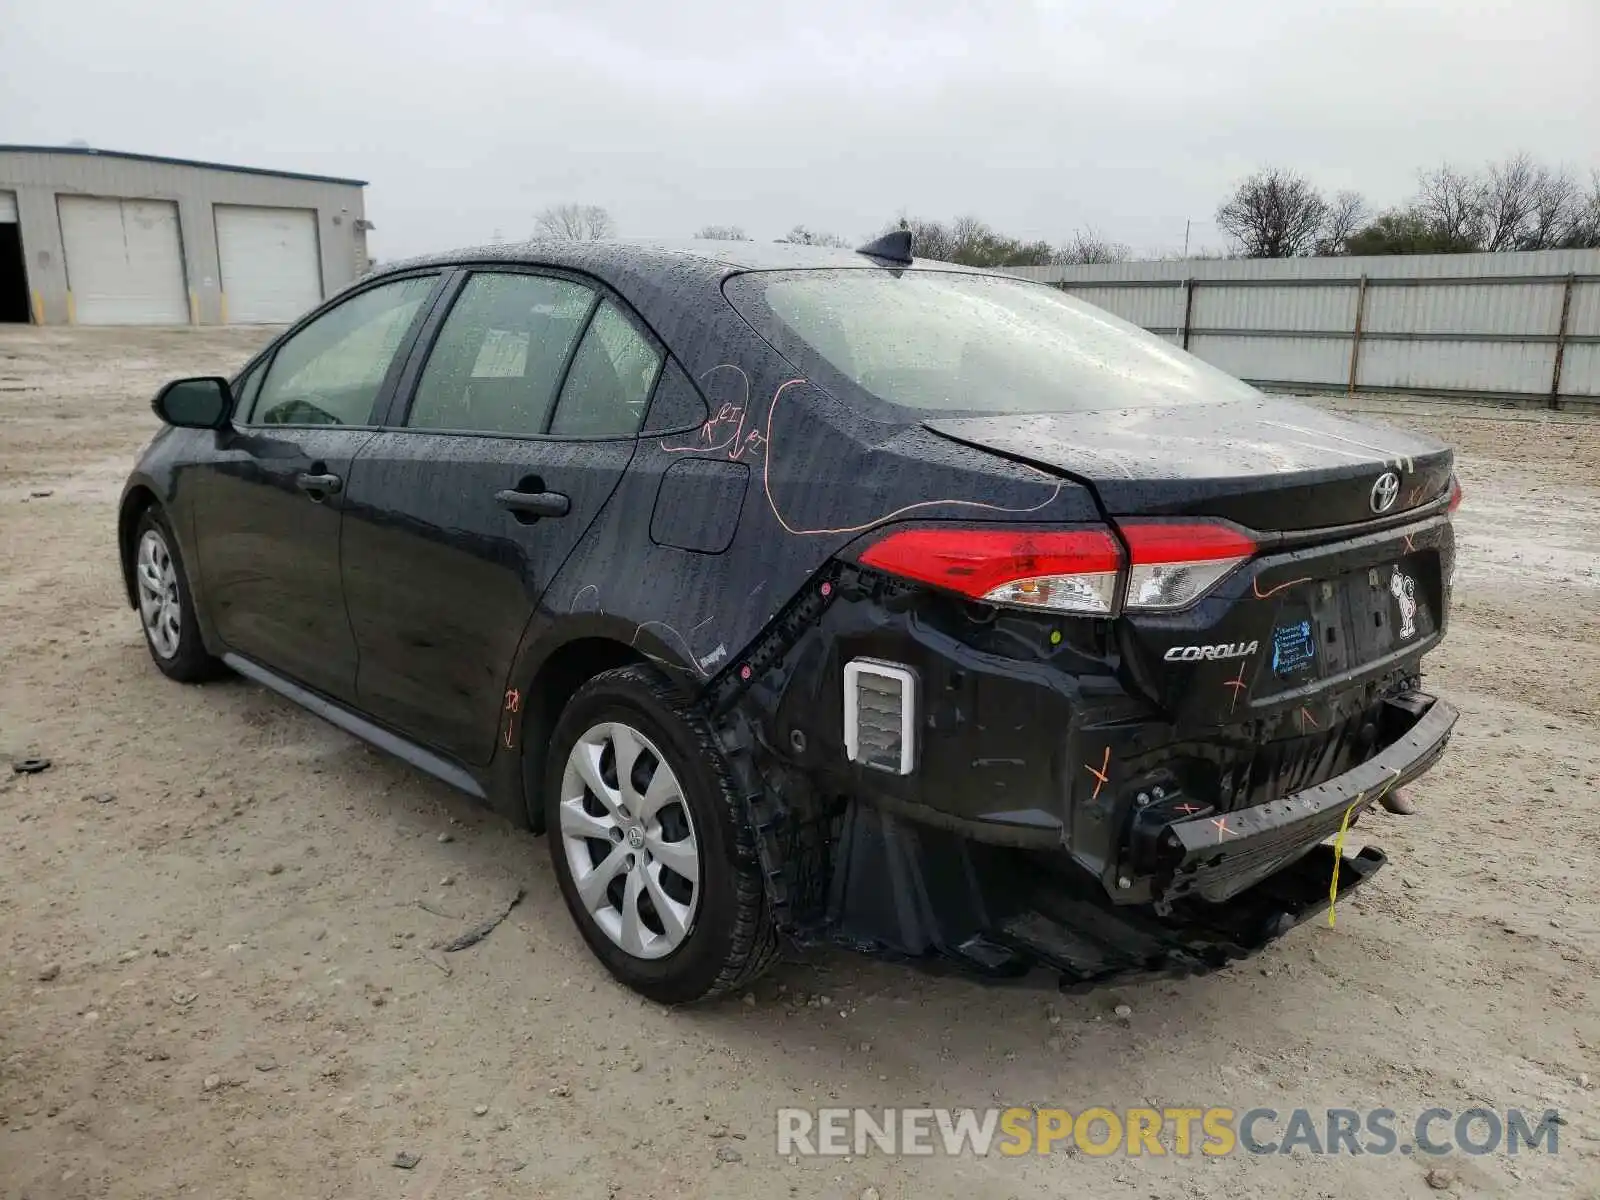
(1338, 842)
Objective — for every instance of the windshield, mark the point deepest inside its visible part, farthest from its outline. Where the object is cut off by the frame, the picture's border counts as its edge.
(958, 343)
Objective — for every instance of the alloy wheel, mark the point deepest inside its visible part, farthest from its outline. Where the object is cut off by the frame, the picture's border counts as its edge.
(630, 840)
(160, 607)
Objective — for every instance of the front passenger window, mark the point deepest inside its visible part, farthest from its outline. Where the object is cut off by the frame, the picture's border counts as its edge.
(246, 389)
(330, 372)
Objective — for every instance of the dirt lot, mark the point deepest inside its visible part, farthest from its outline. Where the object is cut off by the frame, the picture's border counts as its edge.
(218, 979)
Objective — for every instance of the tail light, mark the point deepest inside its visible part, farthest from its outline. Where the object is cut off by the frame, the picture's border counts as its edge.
(1068, 570)
(1065, 570)
(1174, 564)
(1455, 493)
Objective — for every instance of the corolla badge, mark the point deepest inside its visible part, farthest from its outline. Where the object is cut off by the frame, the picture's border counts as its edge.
(1385, 492)
(1211, 653)
(1404, 589)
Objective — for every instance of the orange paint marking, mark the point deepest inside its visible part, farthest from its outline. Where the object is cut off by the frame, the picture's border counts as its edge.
(1056, 486)
(758, 443)
(1102, 776)
(1255, 586)
(1238, 685)
(1305, 716)
(513, 706)
(1222, 828)
(729, 414)
(1410, 545)
(1186, 809)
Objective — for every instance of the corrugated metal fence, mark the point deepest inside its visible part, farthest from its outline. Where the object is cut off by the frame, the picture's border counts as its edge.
(1523, 327)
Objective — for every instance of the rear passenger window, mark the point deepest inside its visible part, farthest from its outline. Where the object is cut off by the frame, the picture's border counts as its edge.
(609, 385)
(498, 359)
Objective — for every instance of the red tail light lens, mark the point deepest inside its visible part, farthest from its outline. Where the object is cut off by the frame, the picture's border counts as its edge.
(1068, 570)
(1175, 563)
(1455, 493)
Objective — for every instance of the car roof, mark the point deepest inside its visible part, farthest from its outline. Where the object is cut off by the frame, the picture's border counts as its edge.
(674, 286)
(713, 259)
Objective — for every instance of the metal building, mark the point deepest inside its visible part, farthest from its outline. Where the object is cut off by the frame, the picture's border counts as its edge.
(98, 237)
(1521, 327)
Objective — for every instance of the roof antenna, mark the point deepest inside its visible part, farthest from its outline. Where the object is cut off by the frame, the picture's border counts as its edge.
(894, 246)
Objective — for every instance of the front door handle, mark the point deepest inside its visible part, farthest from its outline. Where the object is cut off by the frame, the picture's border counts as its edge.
(318, 485)
(533, 505)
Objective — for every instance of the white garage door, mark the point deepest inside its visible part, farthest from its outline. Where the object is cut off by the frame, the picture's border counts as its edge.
(270, 272)
(124, 261)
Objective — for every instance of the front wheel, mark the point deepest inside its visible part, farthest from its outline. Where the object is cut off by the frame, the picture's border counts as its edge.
(649, 844)
(166, 606)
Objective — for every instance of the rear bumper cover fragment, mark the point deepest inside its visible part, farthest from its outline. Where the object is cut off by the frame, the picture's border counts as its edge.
(909, 890)
(1224, 854)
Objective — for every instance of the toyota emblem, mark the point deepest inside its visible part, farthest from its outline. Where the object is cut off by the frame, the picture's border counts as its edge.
(1385, 492)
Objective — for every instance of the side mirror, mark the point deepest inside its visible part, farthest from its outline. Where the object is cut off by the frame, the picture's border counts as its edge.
(202, 403)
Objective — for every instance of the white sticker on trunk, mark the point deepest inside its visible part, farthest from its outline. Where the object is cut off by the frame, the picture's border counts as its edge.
(1404, 588)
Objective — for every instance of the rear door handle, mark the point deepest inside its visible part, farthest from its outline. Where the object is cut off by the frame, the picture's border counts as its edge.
(318, 486)
(533, 504)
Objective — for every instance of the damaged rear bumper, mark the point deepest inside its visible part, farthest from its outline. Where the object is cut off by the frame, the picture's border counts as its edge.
(911, 890)
(908, 891)
(1217, 856)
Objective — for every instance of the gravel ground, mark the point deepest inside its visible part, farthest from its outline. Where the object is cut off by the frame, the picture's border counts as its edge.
(219, 978)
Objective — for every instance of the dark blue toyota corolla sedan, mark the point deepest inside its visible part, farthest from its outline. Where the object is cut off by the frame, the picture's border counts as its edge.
(815, 594)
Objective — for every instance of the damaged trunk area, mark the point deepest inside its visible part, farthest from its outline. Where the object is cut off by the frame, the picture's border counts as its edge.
(958, 782)
(905, 889)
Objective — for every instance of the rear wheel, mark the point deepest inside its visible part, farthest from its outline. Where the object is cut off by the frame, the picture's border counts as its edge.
(646, 835)
(166, 607)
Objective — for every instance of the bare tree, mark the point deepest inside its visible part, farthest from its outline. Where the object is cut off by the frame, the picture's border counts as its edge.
(1344, 216)
(968, 240)
(1556, 211)
(1273, 214)
(972, 242)
(1088, 246)
(574, 223)
(723, 233)
(1452, 203)
(929, 239)
(801, 236)
(1510, 196)
(1515, 204)
(1584, 230)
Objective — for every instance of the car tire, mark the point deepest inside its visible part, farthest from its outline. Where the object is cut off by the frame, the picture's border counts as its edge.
(619, 874)
(165, 605)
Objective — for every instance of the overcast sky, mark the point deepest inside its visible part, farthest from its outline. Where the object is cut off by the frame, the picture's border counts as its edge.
(1129, 116)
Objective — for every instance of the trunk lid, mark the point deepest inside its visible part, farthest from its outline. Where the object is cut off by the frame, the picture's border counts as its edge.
(1343, 591)
(1269, 465)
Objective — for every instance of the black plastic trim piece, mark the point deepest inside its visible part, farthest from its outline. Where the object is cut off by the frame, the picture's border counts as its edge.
(336, 714)
(894, 246)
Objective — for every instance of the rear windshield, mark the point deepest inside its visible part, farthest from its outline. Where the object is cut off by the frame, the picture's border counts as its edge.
(957, 343)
